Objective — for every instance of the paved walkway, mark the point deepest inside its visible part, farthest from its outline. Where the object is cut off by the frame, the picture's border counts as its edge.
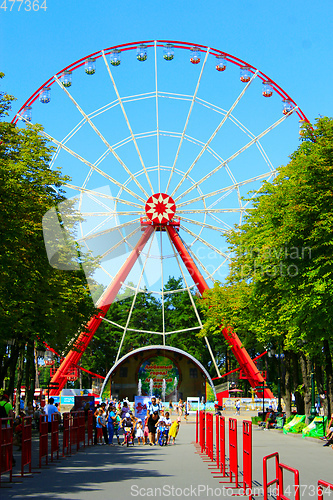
(176, 471)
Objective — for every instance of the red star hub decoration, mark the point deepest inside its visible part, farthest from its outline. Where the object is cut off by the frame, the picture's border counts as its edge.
(160, 208)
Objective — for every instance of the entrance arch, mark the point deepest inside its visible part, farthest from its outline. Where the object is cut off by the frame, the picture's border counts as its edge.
(184, 375)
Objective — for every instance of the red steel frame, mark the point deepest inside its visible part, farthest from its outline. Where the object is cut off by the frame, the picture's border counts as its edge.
(108, 297)
(246, 363)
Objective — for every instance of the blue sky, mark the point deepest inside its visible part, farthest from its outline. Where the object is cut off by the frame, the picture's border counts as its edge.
(289, 41)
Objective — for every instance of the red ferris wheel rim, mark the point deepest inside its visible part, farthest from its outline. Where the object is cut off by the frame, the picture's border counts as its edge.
(161, 43)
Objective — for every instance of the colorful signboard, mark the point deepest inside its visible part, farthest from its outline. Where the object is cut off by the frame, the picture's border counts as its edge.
(140, 406)
(157, 368)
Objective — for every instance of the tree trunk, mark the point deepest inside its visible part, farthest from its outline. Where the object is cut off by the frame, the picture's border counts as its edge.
(19, 380)
(299, 400)
(287, 385)
(329, 376)
(15, 351)
(30, 374)
(305, 364)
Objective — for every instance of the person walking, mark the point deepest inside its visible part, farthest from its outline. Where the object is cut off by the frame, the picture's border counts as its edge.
(153, 406)
(152, 423)
(49, 410)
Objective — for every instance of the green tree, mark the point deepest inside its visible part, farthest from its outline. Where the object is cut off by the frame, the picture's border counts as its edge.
(37, 301)
(282, 266)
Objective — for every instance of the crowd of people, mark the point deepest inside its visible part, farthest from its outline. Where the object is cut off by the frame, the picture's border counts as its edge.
(118, 420)
(114, 421)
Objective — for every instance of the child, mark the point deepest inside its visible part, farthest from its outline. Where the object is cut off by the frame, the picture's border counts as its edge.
(139, 431)
(99, 427)
(145, 432)
(174, 430)
(116, 424)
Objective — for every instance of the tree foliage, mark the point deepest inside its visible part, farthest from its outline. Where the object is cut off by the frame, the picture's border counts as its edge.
(280, 287)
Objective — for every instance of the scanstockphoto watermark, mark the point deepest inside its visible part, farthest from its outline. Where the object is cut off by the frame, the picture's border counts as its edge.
(205, 491)
(264, 261)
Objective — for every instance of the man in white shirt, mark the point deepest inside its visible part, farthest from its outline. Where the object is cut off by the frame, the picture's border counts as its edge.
(49, 410)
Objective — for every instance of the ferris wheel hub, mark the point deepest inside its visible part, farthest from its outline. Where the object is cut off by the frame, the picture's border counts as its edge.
(160, 208)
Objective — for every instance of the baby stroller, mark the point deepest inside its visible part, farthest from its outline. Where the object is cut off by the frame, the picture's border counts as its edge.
(163, 437)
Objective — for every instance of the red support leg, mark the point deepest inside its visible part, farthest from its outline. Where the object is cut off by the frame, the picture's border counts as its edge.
(247, 365)
(106, 300)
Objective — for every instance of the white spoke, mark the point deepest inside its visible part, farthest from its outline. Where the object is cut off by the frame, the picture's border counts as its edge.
(162, 290)
(197, 237)
(92, 166)
(102, 195)
(89, 236)
(195, 310)
(225, 189)
(244, 148)
(187, 120)
(211, 210)
(202, 224)
(128, 123)
(135, 296)
(101, 136)
(114, 213)
(224, 119)
(150, 331)
(157, 133)
(123, 240)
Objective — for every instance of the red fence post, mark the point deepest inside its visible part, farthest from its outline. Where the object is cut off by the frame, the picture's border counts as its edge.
(90, 428)
(247, 457)
(6, 447)
(222, 445)
(281, 495)
(74, 431)
(209, 435)
(81, 428)
(202, 430)
(197, 426)
(65, 436)
(233, 455)
(26, 444)
(217, 440)
(54, 435)
(43, 439)
(266, 484)
(321, 485)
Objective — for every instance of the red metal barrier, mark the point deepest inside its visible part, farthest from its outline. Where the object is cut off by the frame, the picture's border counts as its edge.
(54, 435)
(247, 458)
(209, 436)
(233, 455)
(43, 439)
(74, 426)
(202, 430)
(281, 495)
(26, 444)
(266, 483)
(197, 426)
(90, 428)
(81, 433)
(217, 440)
(321, 486)
(222, 446)
(6, 447)
(65, 436)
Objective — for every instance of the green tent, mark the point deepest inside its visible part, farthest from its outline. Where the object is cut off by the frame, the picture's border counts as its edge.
(316, 428)
(290, 427)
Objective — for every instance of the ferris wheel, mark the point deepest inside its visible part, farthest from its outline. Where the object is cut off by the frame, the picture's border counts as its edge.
(163, 141)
